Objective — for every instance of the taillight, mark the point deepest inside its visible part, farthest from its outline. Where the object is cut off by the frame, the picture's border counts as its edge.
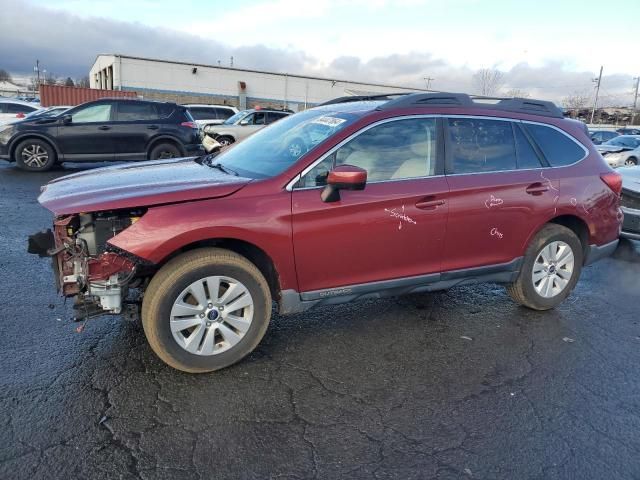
(613, 181)
(189, 124)
(20, 115)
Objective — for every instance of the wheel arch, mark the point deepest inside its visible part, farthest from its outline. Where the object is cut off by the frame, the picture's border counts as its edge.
(250, 251)
(26, 136)
(155, 141)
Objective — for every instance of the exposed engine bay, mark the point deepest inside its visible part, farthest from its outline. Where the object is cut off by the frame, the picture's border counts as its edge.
(85, 265)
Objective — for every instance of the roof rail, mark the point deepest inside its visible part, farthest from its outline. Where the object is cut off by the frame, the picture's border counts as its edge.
(444, 99)
(361, 98)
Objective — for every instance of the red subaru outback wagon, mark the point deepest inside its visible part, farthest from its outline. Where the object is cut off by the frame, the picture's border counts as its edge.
(357, 198)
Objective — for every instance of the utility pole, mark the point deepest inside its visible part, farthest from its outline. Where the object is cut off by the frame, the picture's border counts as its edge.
(231, 62)
(37, 69)
(595, 101)
(635, 101)
(428, 80)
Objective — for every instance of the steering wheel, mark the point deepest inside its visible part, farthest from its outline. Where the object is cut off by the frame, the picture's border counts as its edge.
(296, 148)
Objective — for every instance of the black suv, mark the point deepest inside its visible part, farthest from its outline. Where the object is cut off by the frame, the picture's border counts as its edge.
(102, 130)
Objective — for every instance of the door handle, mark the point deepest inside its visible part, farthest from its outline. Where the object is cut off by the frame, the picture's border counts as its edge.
(104, 127)
(429, 203)
(153, 127)
(537, 188)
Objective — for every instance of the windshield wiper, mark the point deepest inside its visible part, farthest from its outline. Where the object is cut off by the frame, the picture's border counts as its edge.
(224, 169)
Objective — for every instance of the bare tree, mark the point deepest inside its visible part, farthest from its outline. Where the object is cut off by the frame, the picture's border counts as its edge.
(488, 81)
(69, 82)
(516, 93)
(4, 76)
(576, 100)
(50, 79)
(83, 82)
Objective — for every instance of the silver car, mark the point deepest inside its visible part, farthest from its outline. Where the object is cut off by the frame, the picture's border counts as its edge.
(243, 124)
(621, 151)
(630, 202)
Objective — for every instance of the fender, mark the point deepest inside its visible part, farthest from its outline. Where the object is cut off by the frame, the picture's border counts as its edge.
(15, 141)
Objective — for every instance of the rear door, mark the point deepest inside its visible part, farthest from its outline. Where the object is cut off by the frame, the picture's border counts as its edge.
(392, 229)
(499, 191)
(89, 135)
(135, 125)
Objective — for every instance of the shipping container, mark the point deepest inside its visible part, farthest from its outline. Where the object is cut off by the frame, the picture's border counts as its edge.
(52, 95)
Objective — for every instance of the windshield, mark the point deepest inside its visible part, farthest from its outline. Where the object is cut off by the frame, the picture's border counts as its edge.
(232, 120)
(275, 148)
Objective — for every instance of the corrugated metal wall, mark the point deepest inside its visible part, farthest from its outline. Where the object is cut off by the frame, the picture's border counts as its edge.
(51, 95)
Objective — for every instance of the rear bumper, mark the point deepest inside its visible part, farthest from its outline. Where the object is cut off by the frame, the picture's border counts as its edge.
(194, 149)
(598, 252)
(630, 224)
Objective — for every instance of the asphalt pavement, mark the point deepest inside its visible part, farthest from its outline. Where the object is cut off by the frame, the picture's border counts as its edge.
(456, 384)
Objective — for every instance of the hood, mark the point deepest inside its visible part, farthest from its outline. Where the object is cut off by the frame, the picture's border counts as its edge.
(140, 184)
(630, 178)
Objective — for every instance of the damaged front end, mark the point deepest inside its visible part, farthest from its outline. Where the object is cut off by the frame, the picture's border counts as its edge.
(86, 267)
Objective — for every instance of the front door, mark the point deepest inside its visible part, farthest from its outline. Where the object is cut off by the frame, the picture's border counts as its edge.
(394, 228)
(88, 136)
(499, 191)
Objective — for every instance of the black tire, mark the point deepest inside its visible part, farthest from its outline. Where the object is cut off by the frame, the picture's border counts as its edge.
(164, 151)
(34, 155)
(631, 162)
(225, 140)
(180, 272)
(523, 290)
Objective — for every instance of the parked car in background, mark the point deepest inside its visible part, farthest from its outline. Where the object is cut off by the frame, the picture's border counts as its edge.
(12, 110)
(210, 114)
(48, 112)
(102, 130)
(243, 124)
(630, 202)
(380, 197)
(628, 131)
(623, 150)
(601, 136)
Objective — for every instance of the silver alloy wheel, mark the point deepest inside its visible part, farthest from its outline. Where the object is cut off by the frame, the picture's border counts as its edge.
(34, 156)
(553, 269)
(629, 162)
(224, 141)
(211, 315)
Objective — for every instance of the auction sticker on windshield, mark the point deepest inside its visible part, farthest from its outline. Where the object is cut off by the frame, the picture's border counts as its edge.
(329, 121)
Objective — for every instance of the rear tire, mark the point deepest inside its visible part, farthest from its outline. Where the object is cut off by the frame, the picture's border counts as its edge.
(164, 151)
(34, 155)
(197, 335)
(550, 270)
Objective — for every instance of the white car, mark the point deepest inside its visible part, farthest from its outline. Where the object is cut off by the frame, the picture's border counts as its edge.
(621, 151)
(210, 114)
(12, 110)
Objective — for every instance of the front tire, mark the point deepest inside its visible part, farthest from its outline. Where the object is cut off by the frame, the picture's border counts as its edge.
(550, 270)
(205, 310)
(631, 162)
(225, 140)
(34, 155)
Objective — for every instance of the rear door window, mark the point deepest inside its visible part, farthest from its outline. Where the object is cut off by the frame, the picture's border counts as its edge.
(17, 108)
(526, 154)
(479, 145)
(558, 148)
(273, 116)
(134, 111)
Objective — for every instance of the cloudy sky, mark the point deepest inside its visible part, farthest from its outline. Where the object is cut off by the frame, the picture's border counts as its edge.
(546, 48)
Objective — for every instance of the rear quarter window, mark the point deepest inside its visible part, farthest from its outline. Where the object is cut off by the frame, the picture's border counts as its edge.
(558, 148)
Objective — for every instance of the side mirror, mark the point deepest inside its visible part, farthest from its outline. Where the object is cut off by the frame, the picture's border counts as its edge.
(244, 122)
(344, 177)
(66, 119)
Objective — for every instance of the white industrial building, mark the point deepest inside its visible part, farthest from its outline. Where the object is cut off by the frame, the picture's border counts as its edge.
(196, 83)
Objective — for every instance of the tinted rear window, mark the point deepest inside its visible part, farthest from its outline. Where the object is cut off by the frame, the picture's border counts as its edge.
(17, 108)
(527, 156)
(134, 111)
(203, 113)
(557, 147)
